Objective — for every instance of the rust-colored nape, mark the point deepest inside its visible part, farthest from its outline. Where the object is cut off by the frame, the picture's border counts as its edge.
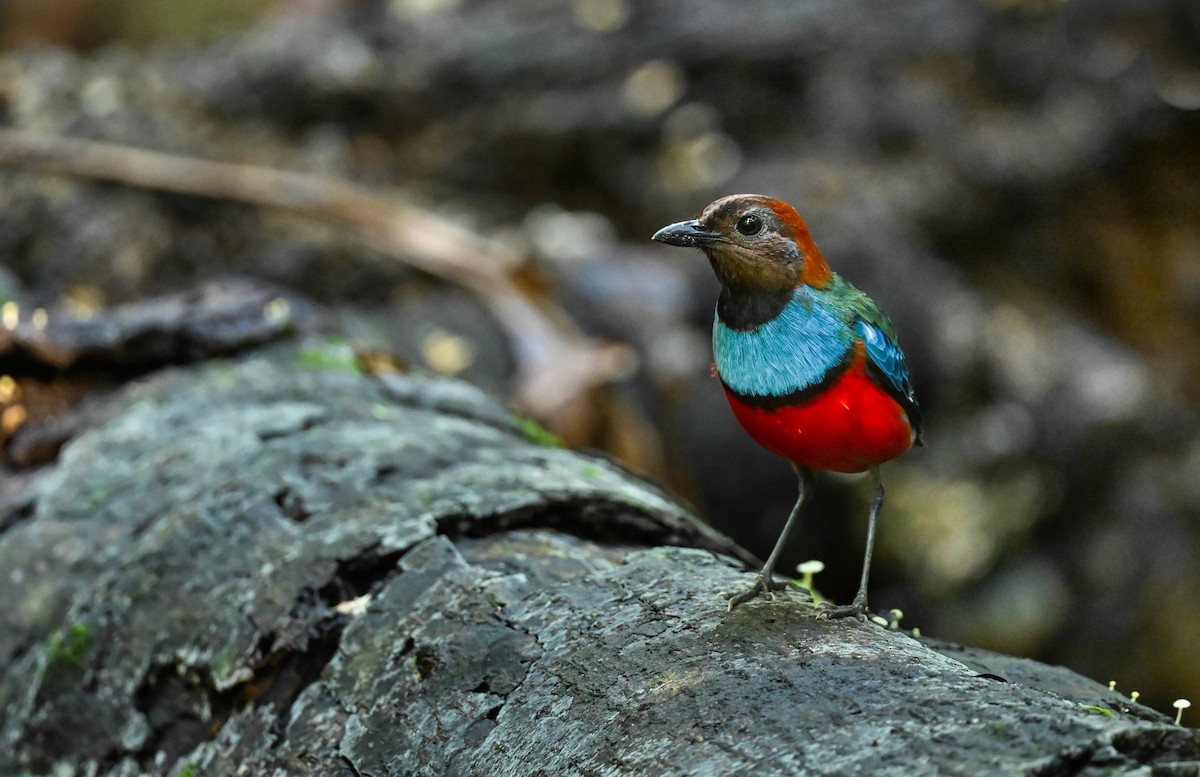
(816, 271)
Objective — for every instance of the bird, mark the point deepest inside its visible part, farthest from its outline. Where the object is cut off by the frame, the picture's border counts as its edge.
(810, 365)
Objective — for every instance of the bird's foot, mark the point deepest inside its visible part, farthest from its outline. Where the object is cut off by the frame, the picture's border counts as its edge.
(763, 586)
(856, 609)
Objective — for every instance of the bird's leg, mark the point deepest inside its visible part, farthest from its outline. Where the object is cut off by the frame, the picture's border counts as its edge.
(765, 583)
(858, 608)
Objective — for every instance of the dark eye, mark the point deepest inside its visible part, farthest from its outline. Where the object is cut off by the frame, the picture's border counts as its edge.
(749, 225)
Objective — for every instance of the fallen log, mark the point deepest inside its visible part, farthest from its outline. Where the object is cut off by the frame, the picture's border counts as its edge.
(277, 563)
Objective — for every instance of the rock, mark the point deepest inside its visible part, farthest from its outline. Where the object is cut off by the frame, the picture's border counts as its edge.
(279, 564)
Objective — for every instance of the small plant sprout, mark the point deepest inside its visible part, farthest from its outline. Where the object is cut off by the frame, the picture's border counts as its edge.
(809, 570)
(1180, 705)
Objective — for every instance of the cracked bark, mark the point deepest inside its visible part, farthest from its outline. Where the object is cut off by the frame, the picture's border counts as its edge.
(277, 563)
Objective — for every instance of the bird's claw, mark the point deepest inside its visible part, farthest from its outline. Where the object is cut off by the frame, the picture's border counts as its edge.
(856, 609)
(762, 587)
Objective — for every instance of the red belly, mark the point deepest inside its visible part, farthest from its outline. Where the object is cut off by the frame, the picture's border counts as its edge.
(849, 427)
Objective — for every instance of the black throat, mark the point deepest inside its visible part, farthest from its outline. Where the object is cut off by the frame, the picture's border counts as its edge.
(744, 310)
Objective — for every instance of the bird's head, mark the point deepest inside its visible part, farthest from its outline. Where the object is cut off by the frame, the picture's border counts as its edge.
(755, 243)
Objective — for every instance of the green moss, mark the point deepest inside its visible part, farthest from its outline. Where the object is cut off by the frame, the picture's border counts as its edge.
(381, 412)
(188, 771)
(330, 356)
(535, 433)
(762, 620)
(67, 646)
(96, 498)
(1101, 710)
(590, 471)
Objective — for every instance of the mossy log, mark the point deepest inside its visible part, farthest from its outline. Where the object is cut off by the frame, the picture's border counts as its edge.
(277, 564)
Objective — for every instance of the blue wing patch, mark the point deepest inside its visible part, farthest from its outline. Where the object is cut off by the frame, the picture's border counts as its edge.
(886, 355)
(887, 361)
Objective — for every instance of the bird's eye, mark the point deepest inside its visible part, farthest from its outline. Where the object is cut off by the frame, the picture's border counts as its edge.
(749, 225)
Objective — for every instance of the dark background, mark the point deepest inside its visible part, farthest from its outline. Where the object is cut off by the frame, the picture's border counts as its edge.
(1014, 181)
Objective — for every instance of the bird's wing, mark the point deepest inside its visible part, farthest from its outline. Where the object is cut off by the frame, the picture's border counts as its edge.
(885, 363)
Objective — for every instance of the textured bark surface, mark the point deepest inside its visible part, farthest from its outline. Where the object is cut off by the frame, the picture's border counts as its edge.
(1008, 179)
(278, 564)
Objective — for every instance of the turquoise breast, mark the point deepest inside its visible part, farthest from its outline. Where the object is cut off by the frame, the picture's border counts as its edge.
(791, 352)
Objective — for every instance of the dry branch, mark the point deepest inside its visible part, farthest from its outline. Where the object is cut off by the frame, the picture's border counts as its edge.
(556, 364)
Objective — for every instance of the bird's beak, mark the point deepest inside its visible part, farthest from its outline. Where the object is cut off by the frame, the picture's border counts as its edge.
(688, 234)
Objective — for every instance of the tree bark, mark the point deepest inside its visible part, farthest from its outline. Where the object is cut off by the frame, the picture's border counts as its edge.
(278, 564)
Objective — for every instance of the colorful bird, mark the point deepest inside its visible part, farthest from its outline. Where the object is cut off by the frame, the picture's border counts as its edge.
(810, 366)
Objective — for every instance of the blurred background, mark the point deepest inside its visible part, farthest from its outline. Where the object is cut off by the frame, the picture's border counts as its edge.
(1017, 182)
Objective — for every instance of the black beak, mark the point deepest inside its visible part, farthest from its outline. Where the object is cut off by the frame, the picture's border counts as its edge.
(688, 234)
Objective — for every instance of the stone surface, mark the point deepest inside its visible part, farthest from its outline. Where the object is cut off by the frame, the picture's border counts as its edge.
(280, 564)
